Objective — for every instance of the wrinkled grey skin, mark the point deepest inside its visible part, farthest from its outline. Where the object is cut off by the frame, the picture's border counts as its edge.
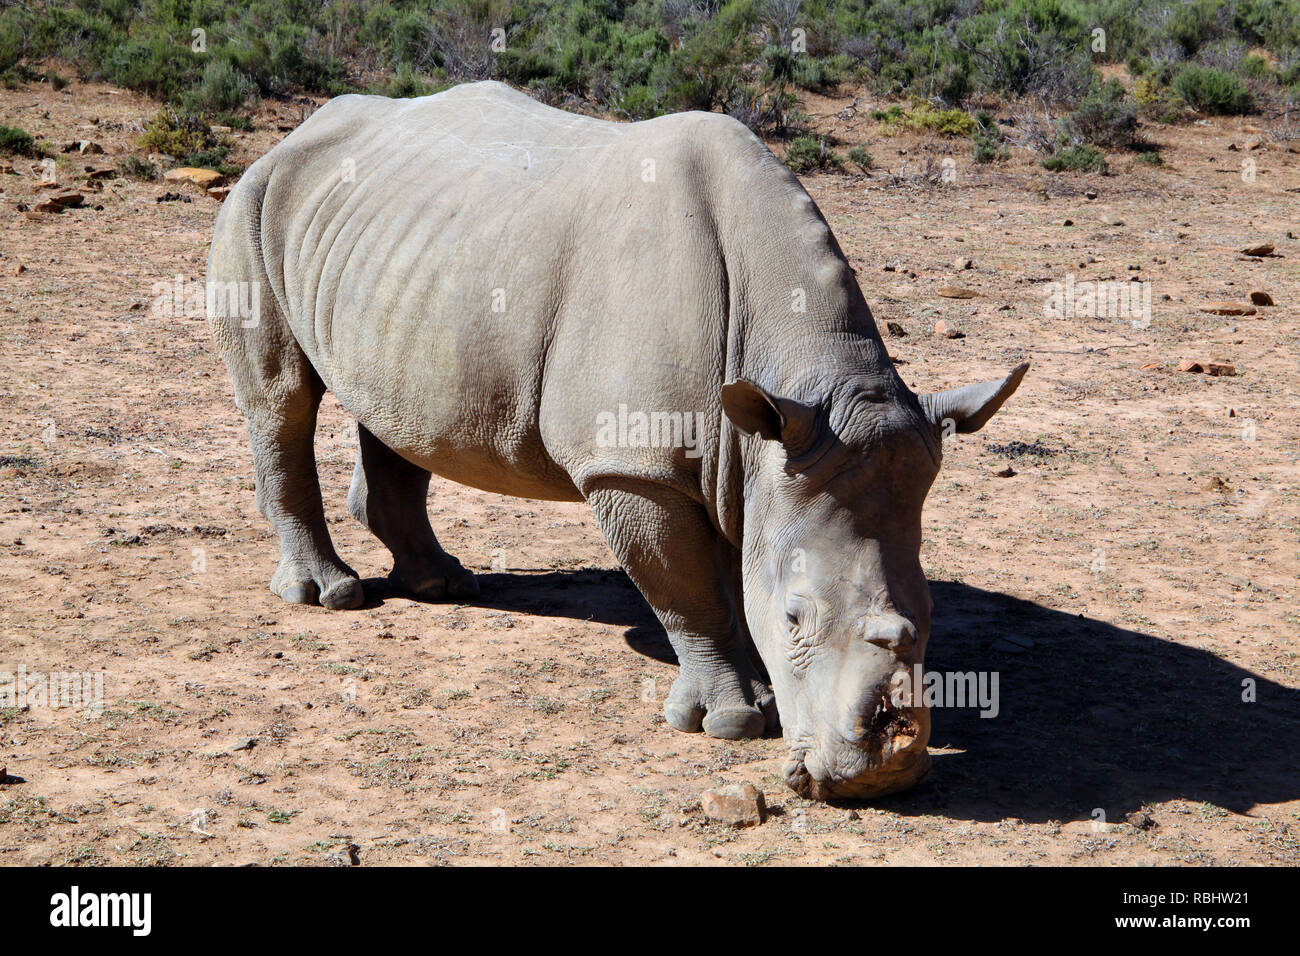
(477, 277)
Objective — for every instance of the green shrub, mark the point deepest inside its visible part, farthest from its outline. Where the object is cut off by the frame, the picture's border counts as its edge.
(1104, 118)
(133, 167)
(860, 156)
(986, 141)
(807, 153)
(16, 141)
(1212, 90)
(923, 117)
(221, 89)
(176, 135)
(1079, 159)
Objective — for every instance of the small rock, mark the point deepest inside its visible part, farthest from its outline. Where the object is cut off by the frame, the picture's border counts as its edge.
(1259, 251)
(737, 805)
(18, 269)
(961, 264)
(1091, 194)
(1151, 366)
(247, 743)
(1139, 820)
(219, 193)
(1217, 484)
(1221, 368)
(852, 815)
(1227, 308)
(896, 330)
(1007, 472)
(203, 178)
(1261, 298)
(947, 331)
(87, 148)
(1187, 365)
(1067, 222)
(956, 292)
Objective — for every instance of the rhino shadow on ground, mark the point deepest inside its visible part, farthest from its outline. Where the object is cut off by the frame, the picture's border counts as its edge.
(1091, 716)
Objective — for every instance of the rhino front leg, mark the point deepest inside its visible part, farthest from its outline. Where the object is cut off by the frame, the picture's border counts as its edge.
(678, 561)
(389, 496)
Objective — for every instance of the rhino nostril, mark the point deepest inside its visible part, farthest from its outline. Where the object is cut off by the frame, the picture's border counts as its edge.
(891, 631)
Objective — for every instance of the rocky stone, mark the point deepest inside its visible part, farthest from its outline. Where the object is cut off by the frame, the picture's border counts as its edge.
(947, 331)
(204, 178)
(956, 292)
(1220, 368)
(896, 330)
(1187, 365)
(1261, 298)
(737, 805)
(1259, 251)
(219, 193)
(1007, 472)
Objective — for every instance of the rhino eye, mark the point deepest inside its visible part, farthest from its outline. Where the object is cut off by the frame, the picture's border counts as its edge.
(799, 613)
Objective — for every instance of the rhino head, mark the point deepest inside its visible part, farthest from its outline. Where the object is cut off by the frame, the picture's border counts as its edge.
(835, 598)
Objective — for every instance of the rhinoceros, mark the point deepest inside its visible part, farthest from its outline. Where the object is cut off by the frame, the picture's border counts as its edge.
(652, 317)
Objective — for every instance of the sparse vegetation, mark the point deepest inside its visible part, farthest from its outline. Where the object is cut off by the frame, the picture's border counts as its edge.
(1212, 90)
(642, 58)
(16, 141)
(1078, 159)
(808, 153)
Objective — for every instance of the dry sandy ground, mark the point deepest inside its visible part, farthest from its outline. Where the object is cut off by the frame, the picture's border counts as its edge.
(1146, 550)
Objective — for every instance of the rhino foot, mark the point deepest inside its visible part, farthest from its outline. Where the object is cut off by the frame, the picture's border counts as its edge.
(333, 588)
(434, 579)
(721, 709)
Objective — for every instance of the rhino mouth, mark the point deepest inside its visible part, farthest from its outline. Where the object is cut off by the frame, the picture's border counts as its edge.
(889, 757)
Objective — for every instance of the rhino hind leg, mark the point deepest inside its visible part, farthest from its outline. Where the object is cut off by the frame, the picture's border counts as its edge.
(388, 496)
(279, 392)
(683, 568)
(279, 400)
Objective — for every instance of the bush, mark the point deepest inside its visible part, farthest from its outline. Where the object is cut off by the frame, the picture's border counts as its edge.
(133, 167)
(1104, 118)
(220, 89)
(1079, 159)
(1212, 90)
(807, 153)
(922, 117)
(17, 141)
(175, 135)
(860, 156)
(1151, 158)
(986, 141)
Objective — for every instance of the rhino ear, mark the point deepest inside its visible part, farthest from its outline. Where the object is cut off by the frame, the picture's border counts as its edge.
(968, 408)
(756, 411)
